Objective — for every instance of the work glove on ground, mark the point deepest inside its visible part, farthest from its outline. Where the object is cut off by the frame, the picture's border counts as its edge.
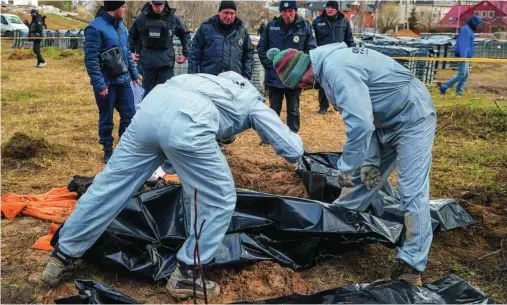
(370, 176)
(345, 180)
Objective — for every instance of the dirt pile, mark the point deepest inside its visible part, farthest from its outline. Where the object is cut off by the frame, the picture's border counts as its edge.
(23, 147)
(23, 151)
(270, 175)
(19, 54)
(405, 33)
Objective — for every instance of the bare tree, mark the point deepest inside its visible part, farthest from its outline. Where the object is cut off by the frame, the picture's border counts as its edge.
(427, 20)
(193, 13)
(252, 13)
(359, 20)
(387, 17)
(133, 9)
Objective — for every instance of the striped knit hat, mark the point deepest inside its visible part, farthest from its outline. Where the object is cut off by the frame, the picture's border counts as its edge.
(290, 65)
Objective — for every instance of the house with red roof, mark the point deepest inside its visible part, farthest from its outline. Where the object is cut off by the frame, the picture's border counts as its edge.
(493, 14)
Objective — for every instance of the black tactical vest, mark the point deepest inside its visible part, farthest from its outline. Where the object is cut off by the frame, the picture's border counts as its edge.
(158, 34)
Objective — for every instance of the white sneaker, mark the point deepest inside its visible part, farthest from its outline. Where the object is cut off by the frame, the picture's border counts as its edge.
(41, 65)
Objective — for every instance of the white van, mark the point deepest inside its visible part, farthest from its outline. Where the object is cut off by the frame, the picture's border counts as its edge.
(11, 23)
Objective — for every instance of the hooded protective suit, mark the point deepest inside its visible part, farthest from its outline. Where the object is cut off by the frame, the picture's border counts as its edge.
(390, 122)
(179, 121)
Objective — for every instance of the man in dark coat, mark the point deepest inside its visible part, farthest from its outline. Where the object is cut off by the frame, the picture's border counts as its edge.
(152, 34)
(222, 44)
(287, 31)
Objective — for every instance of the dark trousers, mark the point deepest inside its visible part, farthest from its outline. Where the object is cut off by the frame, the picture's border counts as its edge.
(36, 50)
(323, 102)
(121, 98)
(153, 77)
(292, 97)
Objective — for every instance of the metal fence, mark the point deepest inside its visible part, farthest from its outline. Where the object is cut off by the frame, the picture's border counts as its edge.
(440, 46)
(67, 39)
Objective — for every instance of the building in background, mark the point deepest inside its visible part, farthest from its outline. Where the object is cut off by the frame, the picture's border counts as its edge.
(493, 14)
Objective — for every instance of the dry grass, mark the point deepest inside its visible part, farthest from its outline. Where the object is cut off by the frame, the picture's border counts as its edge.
(56, 105)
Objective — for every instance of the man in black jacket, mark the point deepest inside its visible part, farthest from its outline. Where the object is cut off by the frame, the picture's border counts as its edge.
(288, 31)
(152, 32)
(36, 33)
(330, 27)
(222, 44)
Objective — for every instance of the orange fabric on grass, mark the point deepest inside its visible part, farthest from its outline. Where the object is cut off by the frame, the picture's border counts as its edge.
(55, 205)
(171, 178)
(44, 243)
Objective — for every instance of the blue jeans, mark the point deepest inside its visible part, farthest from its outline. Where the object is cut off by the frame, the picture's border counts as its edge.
(153, 77)
(460, 78)
(121, 98)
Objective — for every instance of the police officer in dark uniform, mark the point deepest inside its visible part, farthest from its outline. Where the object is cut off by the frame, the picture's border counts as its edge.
(288, 31)
(152, 32)
(330, 27)
(222, 44)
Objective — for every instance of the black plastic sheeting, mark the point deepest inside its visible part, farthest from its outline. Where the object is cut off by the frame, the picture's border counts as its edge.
(91, 292)
(319, 174)
(146, 235)
(448, 290)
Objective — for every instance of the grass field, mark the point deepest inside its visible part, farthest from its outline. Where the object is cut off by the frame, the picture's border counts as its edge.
(54, 107)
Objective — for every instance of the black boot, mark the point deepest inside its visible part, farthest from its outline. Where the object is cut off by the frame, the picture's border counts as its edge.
(59, 268)
(403, 271)
(322, 111)
(108, 152)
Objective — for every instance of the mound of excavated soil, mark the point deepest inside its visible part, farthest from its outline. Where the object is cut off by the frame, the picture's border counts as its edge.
(23, 151)
(23, 147)
(19, 54)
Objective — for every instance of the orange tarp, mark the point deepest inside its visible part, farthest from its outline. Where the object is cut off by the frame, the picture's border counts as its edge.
(56, 205)
(44, 243)
(171, 178)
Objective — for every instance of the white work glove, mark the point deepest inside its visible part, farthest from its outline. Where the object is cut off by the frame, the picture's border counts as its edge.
(370, 176)
(345, 180)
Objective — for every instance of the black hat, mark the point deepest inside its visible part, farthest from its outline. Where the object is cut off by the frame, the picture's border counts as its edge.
(288, 4)
(333, 4)
(113, 5)
(158, 2)
(227, 4)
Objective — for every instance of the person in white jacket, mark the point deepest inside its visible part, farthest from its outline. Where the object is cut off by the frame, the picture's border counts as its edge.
(176, 123)
(390, 122)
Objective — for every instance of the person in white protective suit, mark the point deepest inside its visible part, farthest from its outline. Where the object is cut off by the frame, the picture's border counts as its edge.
(178, 122)
(389, 121)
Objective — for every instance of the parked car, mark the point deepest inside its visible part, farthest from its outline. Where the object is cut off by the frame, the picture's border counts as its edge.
(10, 23)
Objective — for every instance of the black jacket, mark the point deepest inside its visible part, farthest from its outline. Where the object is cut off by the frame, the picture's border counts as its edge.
(158, 58)
(36, 26)
(214, 51)
(336, 30)
(277, 35)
